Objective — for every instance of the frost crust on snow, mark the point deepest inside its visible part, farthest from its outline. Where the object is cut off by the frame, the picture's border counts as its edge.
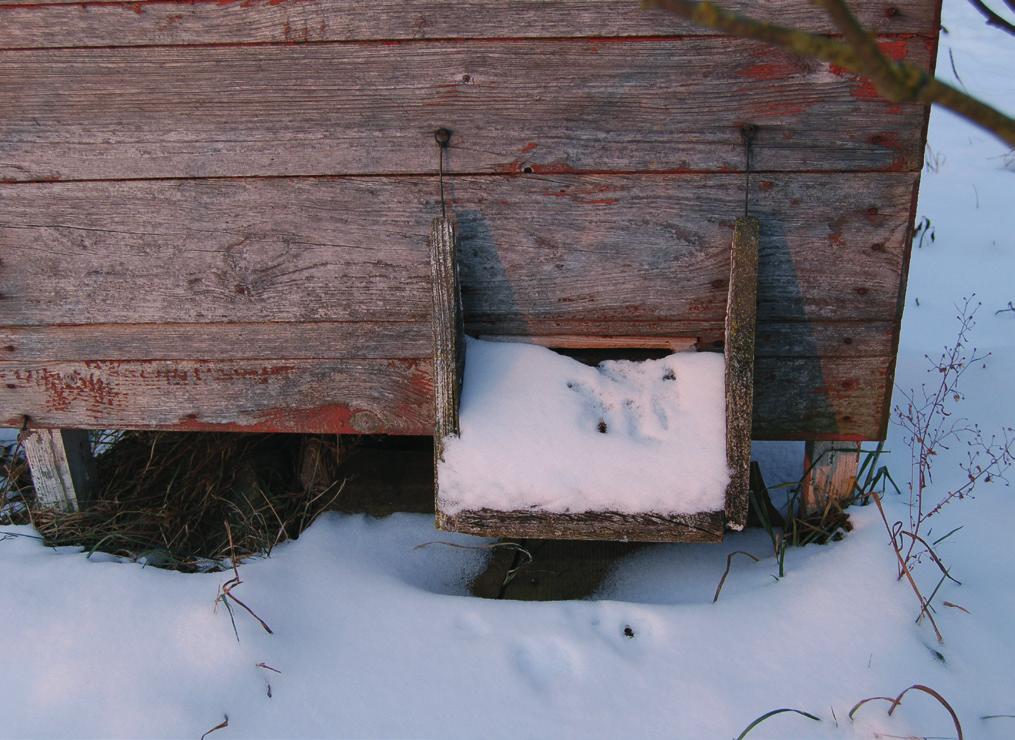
(541, 431)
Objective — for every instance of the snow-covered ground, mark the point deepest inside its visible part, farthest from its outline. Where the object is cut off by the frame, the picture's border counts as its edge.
(376, 637)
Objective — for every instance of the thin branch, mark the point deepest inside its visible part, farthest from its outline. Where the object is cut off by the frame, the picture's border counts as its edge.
(870, 60)
(993, 19)
(906, 83)
(924, 606)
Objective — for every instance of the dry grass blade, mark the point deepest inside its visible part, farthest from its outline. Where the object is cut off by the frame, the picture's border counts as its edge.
(227, 587)
(163, 495)
(509, 576)
(16, 494)
(956, 606)
(774, 712)
(267, 667)
(221, 725)
(725, 573)
(868, 699)
(931, 692)
(897, 701)
(998, 716)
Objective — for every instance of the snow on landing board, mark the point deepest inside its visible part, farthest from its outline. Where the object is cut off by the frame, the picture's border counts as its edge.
(541, 431)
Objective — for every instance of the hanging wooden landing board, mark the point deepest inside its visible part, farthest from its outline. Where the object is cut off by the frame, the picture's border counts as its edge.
(213, 214)
(449, 357)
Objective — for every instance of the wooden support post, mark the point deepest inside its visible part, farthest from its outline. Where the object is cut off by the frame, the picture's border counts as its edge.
(448, 340)
(320, 458)
(829, 474)
(62, 466)
(741, 317)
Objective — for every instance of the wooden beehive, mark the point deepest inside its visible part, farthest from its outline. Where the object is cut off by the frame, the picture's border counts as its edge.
(213, 215)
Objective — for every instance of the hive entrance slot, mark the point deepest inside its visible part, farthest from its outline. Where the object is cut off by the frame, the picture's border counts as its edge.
(591, 350)
(532, 443)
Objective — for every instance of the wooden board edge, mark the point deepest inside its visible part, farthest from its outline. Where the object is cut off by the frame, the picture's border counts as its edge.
(595, 525)
(741, 319)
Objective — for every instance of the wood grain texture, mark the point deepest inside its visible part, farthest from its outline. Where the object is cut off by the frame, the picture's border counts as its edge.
(313, 396)
(51, 23)
(546, 106)
(794, 398)
(62, 467)
(448, 331)
(380, 339)
(246, 341)
(344, 260)
(741, 316)
(537, 257)
(820, 398)
(830, 475)
(705, 527)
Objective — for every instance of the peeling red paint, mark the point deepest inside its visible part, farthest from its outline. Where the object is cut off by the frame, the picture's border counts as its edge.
(766, 185)
(890, 140)
(777, 108)
(63, 390)
(327, 416)
(769, 70)
(864, 90)
(896, 49)
(528, 147)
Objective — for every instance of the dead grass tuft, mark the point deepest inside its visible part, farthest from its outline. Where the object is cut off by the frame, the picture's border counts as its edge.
(163, 496)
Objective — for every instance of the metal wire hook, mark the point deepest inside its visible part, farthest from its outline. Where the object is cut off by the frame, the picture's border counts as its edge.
(747, 133)
(442, 136)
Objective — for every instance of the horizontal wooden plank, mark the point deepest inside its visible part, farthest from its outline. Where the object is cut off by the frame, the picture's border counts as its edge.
(380, 340)
(540, 254)
(795, 398)
(264, 341)
(351, 396)
(600, 525)
(544, 106)
(830, 398)
(53, 23)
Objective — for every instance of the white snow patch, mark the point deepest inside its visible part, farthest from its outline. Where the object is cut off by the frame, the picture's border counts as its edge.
(543, 431)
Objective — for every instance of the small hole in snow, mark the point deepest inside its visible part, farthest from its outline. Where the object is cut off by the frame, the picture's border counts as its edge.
(601, 427)
(669, 375)
(570, 385)
(628, 632)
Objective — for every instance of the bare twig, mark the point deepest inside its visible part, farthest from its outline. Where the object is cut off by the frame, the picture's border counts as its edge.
(896, 81)
(925, 607)
(228, 586)
(993, 19)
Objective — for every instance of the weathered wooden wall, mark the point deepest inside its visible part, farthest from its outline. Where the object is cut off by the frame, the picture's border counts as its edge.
(214, 214)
